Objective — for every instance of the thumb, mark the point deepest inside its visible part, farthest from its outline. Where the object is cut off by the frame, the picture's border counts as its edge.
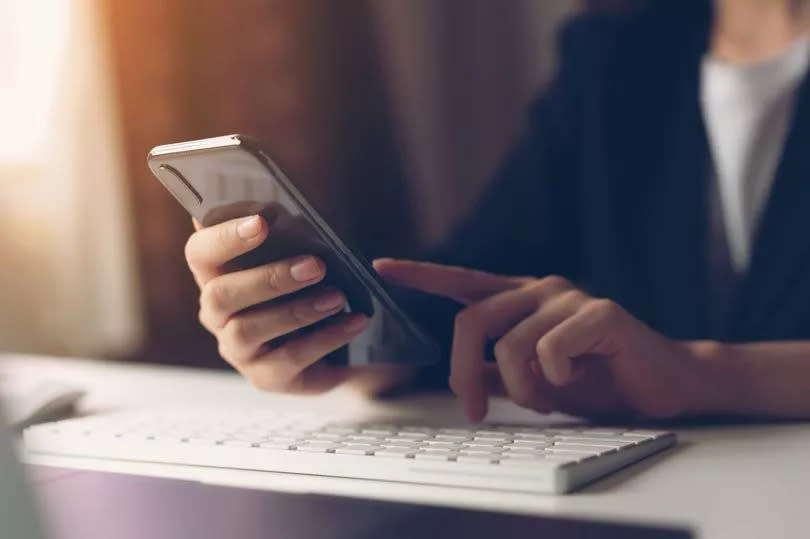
(460, 284)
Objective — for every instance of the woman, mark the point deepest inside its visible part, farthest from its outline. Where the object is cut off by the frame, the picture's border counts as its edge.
(663, 173)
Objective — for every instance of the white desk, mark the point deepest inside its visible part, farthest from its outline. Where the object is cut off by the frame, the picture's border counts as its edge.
(743, 481)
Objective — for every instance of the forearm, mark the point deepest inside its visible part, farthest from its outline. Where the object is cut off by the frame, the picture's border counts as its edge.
(769, 379)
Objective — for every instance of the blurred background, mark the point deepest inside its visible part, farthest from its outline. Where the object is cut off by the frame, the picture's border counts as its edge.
(394, 113)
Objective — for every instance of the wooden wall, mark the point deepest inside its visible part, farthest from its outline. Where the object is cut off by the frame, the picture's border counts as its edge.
(302, 76)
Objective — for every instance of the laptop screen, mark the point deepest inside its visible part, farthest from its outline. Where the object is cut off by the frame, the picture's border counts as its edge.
(18, 517)
(90, 505)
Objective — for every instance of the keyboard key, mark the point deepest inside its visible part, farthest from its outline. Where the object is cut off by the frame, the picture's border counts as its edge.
(525, 449)
(591, 436)
(317, 448)
(356, 450)
(396, 442)
(453, 437)
(599, 449)
(484, 443)
(645, 433)
(441, 443)
(276, 445)
(156, 437)
(435, 455)
(522, 456)
(492, 438)
(530, 443)
(413, 435)
(326, 436)
(201, 441)
(533, 436)
(480, 454)
(401, 452)
(476, 459)
(593, 442)
(237, 443)
(573, 452)
(321, 443)
(364, 438)
(281, 440)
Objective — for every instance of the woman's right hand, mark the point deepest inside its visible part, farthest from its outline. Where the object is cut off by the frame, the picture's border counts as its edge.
(234, 307)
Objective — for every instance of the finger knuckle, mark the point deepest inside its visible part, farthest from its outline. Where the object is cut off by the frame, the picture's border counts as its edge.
(504, 350)
(555, 282)
(546, 347)
(205, 320)
(225, 236)
(272, 278)
(604, 309)
(240, 331)
(298, 313)
(466, 320)
(225, 352)
(215, 297)
(573, 295)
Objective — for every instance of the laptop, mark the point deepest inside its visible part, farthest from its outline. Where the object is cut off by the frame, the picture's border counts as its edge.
(17, 516)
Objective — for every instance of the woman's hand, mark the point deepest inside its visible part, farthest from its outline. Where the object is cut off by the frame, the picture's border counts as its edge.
(556, 347)
(234, 306)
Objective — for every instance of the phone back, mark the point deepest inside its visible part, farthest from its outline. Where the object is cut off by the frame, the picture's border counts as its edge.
(228, 177)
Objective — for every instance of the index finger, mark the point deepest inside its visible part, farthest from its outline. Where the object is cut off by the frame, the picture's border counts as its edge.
(488, 319)
(209, 249)
(460, 284)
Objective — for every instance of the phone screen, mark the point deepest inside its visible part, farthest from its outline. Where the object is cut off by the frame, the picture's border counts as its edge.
(224, 179)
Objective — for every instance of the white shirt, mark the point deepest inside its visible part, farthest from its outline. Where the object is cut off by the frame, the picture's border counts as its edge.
(748, 111)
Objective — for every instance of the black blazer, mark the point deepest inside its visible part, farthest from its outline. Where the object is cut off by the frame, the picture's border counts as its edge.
(609, 187)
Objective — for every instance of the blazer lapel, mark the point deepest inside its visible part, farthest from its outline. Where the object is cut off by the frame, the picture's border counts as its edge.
(677, 225)
(781, 249)
(677, 214)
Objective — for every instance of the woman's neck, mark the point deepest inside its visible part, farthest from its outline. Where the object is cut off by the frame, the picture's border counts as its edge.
(750, 31)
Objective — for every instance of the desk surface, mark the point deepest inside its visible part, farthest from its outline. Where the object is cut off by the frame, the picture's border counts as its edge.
(735, 481)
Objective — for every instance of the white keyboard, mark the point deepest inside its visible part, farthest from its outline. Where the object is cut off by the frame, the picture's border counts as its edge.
(505, 457)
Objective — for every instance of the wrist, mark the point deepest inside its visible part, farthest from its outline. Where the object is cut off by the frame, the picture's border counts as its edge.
(712, 386)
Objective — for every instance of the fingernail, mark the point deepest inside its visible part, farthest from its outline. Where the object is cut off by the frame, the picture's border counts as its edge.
(329, 302)
(305, 270)
(477, 410)
(249, 228)
(355, 324)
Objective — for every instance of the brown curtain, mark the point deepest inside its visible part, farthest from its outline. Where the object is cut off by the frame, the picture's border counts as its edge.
(301, 76)
(460, 74)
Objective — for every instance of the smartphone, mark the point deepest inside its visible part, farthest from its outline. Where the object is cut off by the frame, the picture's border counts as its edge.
(222, 178)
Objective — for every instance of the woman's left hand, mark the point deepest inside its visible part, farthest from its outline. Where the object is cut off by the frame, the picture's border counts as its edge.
(557, 348)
